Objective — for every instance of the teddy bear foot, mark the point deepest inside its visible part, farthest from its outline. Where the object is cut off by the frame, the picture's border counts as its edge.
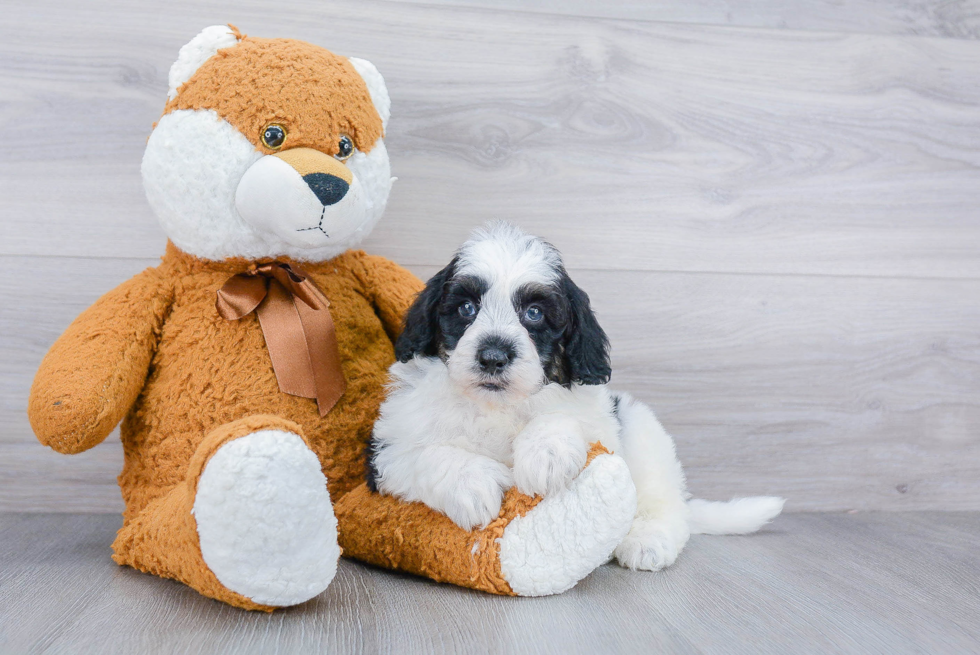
(534, 547)
(568, 534)
(265, 521)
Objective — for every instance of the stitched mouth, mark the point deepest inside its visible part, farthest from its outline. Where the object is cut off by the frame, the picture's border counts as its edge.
(318, 226)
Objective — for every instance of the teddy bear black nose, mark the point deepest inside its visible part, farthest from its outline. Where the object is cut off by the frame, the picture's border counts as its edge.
(330, 189)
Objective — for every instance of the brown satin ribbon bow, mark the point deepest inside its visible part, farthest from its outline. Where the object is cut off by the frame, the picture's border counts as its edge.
(297, 326)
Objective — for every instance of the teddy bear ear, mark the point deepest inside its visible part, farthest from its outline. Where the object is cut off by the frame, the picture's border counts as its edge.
(376, 87)
(201, 48)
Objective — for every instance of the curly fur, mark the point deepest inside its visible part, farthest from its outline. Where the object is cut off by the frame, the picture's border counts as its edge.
(501, 381)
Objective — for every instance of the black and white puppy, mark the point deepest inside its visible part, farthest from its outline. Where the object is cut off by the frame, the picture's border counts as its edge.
(501, 381)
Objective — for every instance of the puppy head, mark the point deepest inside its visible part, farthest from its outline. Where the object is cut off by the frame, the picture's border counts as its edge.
(505, 318)
(268, 148)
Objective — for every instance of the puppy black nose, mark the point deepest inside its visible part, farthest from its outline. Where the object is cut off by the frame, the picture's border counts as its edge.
(493, 359)
(329, 189)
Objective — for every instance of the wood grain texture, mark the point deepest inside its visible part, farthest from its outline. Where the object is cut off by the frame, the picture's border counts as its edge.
(836, 393)
(958, 19)
(809, 583)
(640, 145)
(778, 227)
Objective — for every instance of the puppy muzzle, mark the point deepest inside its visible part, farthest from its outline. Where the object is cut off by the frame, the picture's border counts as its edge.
(494, 356)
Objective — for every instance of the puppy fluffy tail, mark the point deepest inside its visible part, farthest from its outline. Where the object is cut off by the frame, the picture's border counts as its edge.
(737, 516)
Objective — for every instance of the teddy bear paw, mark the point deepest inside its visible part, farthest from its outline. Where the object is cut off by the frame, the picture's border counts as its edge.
(568, 534)
(266, 525)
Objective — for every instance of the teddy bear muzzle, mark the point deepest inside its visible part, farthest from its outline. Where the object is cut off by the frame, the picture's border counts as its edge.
(328, 178)
(301, 196)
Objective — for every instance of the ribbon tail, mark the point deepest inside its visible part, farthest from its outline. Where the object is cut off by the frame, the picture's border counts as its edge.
(286, 341)
(324, 355)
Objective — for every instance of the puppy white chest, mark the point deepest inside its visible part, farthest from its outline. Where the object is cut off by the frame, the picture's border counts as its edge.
(490, 432)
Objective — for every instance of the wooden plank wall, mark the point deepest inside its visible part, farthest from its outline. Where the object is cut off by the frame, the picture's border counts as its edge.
(775, 210)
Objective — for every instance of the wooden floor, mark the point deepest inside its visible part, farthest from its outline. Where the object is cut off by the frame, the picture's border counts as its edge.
(810, 583)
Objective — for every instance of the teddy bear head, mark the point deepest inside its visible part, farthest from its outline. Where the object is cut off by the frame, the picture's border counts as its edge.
(268, 148)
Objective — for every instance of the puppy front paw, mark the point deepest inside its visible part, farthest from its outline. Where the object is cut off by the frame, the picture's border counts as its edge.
(475, 497)
(548, 454)
(652, 544)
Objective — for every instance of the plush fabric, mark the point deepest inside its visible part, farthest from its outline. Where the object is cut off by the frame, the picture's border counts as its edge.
(194, 53)
(412, 537)
(200, 405)
(157, 344)
(162, 538)
(226, 88)
(278, 73)
(197, 381)
(265, 522)
(205, 371)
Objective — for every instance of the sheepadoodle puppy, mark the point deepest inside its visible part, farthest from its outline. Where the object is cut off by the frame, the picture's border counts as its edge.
(501, 381)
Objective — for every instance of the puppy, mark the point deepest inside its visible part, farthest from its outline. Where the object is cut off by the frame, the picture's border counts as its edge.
(501, 381)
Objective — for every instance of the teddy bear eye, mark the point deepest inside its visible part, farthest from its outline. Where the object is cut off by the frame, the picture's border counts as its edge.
(345, 148)
(273, 136)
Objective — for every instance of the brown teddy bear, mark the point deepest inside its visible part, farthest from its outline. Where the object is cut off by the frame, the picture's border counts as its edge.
(248, 367)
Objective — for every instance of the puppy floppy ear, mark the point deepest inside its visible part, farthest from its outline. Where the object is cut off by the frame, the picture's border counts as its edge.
(422, 320)
(586, 345)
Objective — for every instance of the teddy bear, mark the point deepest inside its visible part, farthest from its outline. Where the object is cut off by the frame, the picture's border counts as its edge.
(247, 369)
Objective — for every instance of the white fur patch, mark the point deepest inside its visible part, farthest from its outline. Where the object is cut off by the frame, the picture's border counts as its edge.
(507, 256)
(376, 87)
(265, 521)
(463, 476)
(192, 167)
(567, 535)
(548, 453)
(737, 516)
(193, 162)
(197, 51)
(444, 438)
(274, 199)
(659, 532)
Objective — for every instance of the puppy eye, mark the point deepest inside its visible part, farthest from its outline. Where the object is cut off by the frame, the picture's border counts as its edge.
(345, 148)
(273, 136)
(533, 314)
(467, 309)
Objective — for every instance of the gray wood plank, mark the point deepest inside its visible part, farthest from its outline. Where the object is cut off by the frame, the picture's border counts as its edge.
(959, 19)
(809, 583)
(640, 145)
(837, 393)
(760, 157)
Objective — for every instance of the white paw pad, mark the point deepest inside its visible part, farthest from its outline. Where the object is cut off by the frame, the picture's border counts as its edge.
(474, 500)
(652, 545)
(265, 521)
(548, 455)
(567, 535)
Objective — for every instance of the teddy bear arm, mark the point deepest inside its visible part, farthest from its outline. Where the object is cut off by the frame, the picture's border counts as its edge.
(392, 289)
(94, 372)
